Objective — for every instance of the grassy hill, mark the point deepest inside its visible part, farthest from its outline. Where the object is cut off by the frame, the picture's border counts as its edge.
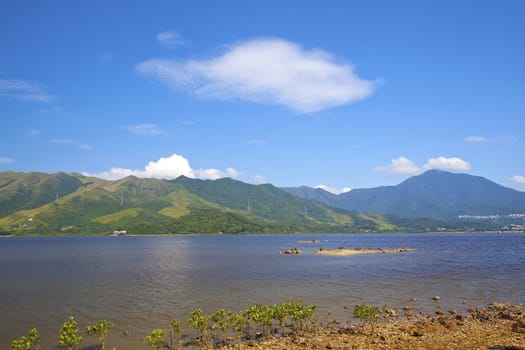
(88, 205)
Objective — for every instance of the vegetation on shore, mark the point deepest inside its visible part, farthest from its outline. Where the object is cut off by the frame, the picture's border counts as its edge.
(294, 325)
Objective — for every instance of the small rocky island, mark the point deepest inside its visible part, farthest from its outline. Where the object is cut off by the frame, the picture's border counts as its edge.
(342, 251)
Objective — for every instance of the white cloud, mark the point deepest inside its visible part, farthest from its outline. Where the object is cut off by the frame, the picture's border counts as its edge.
(450, 164)
(266, 71)
(167, 168)
(5, 160)
(477, 139)
(258, 180)
(24, 91)
(81, 145)
(34, 132)
(145, 129)
(169, 39)
(519, 179)
(405, 166)
(333, 190)
(399, 166)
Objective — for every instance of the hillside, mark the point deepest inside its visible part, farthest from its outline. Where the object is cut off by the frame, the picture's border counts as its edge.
(86, 205)
(433, 194)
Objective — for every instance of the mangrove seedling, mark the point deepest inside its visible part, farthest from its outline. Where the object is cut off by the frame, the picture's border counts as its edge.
(69, 334)
(368, 314)
(155, 339)
(174, 333)
(199, 322)
(101, 328)
(236, 323)
(27, 342)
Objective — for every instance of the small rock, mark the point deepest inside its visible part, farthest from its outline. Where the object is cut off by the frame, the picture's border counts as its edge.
(416, 331)
(329, 346)
(413, 299)
(436, 298)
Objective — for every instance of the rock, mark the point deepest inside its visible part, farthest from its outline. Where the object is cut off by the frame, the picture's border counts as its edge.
(518, 327)
(436, 298)
(292, 251)
(450, 324)
(413, 299)
(329, 346)
(416, 331)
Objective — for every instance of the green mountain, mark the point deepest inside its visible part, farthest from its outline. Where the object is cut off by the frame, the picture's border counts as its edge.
(86, 205)
(434, 194)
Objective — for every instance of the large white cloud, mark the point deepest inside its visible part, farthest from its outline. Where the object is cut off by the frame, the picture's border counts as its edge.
(405, 166)
(268, 71)
(166, 168)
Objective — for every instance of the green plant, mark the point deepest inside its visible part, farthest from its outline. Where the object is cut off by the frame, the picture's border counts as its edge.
(174, 332)
(200, 322)
(236, 323)
(69, 334)
(368, 314)
(27, 342)
(101, 328)
(155, 339)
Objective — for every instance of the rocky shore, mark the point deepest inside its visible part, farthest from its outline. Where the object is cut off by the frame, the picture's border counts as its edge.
(500, 326)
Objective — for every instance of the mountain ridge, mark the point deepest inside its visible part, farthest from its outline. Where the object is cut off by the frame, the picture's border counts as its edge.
(434, 194)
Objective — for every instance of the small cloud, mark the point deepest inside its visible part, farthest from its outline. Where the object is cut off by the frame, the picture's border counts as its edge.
(145, 129)
(167, 168)
(519, 179)
(477, 139)
(404, 166)
(80, 145)
(34, 132)
(24, 91)
(169, 39)
(333, 190)
(450, 164)
(187, 122)
(399, 166)
(265, 71)
(5, 160)
(214, 174)
(258, 180)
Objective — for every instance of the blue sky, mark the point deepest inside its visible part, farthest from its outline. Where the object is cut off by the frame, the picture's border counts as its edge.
(343, 94)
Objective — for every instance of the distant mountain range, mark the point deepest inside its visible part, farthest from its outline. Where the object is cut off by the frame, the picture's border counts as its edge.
(434, 194)
(39, 203)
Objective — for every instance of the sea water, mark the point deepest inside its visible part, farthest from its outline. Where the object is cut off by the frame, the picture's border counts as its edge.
(140, 283)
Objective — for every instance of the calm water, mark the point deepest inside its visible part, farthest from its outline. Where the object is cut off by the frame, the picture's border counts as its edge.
(139, 283)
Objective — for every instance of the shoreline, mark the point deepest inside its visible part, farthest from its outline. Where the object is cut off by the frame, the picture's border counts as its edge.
(499, 326)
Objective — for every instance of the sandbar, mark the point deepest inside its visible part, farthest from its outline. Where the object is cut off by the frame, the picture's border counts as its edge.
(341, 251)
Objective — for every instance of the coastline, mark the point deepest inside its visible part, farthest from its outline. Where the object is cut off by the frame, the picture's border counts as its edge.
(499, 326)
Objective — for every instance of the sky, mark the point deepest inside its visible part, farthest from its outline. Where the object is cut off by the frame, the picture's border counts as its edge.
(332, 94)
